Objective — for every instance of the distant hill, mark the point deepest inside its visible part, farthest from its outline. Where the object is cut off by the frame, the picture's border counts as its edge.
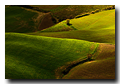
(22, 20)
(98, 27)
(62, 12)
(32, 18)
(19, 20)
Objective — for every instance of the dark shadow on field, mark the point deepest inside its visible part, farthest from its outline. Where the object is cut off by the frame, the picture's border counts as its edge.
(69, 24)
(69, 67)
(73, 65)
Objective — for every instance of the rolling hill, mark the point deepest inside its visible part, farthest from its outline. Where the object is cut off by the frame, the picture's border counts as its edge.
(22, 20)
(19, 20)
(38, 47)
(37, 57)
(103, 67)
(98, 27)
(62, 12)
(32, 18)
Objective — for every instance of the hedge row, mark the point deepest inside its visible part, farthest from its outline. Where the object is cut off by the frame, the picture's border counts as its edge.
(78, 16)
(97, 10)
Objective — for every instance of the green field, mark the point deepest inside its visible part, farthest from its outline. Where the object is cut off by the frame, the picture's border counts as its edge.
(27, 54)
(36, 47)
(99, 27)
(24, 20)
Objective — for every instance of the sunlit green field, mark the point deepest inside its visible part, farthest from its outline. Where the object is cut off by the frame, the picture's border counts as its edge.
(85, 49)
(37, 57)
(99, 27)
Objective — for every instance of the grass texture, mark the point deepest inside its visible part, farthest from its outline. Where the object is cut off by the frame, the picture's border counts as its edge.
(99, 27)
(37, 57)
(103, 67)
(49, 54)
(21, 20)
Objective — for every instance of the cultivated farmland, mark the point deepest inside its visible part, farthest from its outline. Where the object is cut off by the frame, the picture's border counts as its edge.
(40, 43)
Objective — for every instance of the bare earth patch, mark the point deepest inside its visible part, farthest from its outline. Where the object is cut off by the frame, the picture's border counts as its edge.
(103, 67)
(105, 51)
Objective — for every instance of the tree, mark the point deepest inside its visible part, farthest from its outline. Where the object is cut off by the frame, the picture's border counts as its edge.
(68, 22)
(89, 56)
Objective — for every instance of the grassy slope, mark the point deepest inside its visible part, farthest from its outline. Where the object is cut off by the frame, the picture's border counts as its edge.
(95, 21)
(21, 20)
(103, 67)
(37, 57)
(99, 27)
(61, 26)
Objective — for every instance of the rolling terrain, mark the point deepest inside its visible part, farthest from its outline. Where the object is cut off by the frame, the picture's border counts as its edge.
(63, 12)
(25, 18)
(37, 57)
(99, 27)
(19, 20)
(103, 67)
(40, 45)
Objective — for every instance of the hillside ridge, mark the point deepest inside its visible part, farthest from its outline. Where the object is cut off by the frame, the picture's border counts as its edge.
(46, 52)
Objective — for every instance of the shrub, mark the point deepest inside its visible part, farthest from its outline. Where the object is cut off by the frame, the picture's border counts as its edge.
(89, 56)
(105, 9)
(68, 21)
(110, 7)
(97, 10)
(92, 12)
(114, 7)
(78, 16)
(85, 14)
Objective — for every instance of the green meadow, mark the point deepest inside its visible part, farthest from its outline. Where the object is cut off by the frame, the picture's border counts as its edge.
(39, 53)
(99, 27)
(39, 44)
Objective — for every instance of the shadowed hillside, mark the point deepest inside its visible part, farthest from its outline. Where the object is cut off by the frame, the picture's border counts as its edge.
(32, 18)
(101, 68)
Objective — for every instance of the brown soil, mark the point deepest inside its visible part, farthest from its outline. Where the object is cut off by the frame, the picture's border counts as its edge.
(105, 51)
(46, 22)
(103, 67)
